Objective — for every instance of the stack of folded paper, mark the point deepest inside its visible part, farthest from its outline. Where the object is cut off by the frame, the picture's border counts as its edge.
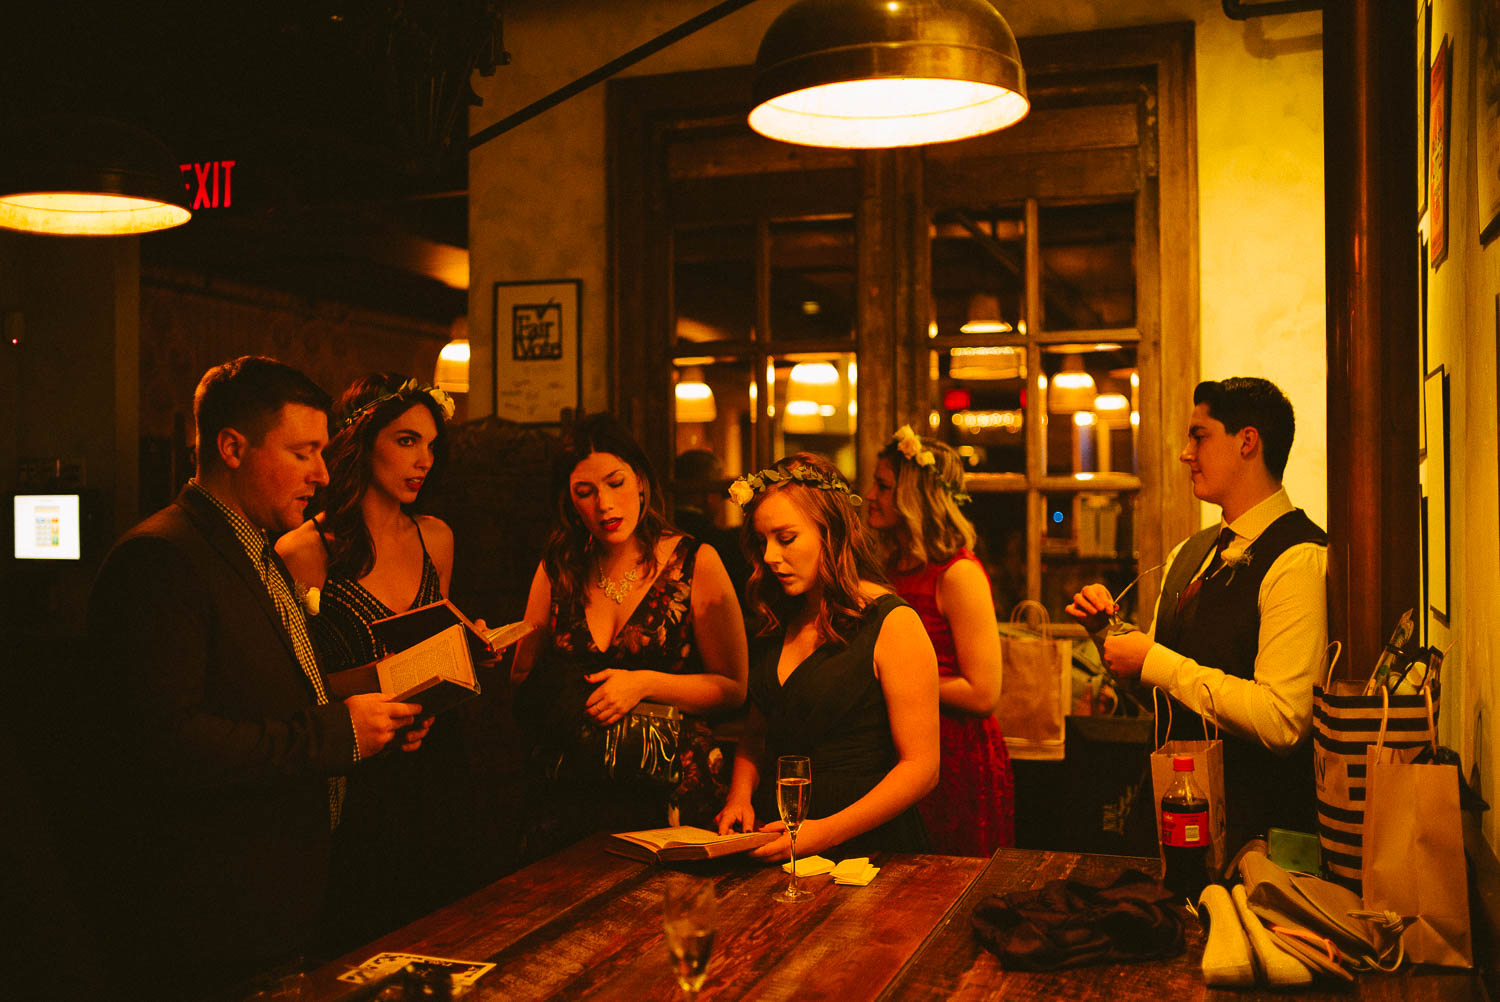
(810, 866)
(855, 872)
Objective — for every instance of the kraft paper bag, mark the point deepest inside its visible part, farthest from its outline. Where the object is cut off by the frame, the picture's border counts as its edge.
(1346, 723)
(1414, 854)
(1036, 688)
(1208, 773)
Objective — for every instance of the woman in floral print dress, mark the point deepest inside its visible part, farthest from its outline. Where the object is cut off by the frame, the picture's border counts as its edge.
(627, 610)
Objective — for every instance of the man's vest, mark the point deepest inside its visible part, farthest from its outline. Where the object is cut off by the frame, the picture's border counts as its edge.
(1220, 628)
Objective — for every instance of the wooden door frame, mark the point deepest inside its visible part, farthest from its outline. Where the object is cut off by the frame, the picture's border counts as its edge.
(642, 110)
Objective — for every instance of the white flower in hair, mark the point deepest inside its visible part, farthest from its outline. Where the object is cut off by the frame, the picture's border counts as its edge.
(740, 492)
(445, 403)
(910, 445)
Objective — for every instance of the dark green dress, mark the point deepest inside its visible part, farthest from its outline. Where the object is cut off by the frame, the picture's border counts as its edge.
(832, 710)
(406, 813)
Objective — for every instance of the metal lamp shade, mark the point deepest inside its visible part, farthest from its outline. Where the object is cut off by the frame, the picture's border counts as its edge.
(873, 74)
(89, 177)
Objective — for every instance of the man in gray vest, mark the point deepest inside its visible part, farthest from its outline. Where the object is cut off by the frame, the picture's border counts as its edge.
(1242, 619)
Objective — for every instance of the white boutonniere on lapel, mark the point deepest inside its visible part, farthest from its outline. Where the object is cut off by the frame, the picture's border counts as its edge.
(1233, 562)
(309, 597)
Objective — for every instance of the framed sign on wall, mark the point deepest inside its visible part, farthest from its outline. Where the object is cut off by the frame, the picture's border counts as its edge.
(536, 343)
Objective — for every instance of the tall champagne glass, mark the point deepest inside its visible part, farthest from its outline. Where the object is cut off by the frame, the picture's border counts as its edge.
(689, 920)
(793, 798)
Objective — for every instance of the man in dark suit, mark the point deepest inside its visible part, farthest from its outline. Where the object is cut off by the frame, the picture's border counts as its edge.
(225, 746)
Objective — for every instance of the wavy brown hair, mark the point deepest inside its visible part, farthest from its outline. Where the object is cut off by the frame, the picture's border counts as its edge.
(848, 556)
(570, 546)
(349, 454)
(932, 528)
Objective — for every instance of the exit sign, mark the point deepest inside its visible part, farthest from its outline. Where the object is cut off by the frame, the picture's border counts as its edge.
(208, 184)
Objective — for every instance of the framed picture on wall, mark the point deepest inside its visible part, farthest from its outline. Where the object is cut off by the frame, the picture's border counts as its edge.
(538, 349)
(1487, 108)
(1437, 153)
(1435, 399)
(1424, 88)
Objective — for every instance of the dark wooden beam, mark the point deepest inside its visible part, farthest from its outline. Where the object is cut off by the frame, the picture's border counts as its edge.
(1369, 107)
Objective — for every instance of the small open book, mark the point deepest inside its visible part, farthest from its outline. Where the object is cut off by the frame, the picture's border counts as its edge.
(670, 845)
(437, 672)
(404, 629)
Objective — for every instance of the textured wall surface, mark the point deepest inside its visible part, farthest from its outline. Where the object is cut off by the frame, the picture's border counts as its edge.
(1463, 309)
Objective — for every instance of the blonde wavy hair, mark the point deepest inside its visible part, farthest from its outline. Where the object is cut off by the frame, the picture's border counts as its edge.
(931, 527)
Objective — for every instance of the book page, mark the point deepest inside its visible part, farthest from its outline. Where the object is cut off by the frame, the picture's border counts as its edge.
(659, 838)
(444, 655)
(503, 636)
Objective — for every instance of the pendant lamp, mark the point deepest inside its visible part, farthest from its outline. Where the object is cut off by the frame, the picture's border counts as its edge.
(82, 176)
(872, 74)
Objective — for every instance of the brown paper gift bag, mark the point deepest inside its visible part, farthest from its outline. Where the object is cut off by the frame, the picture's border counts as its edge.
(1346, 723)
(1414, 853)
(1036, 688)
(1208, 773)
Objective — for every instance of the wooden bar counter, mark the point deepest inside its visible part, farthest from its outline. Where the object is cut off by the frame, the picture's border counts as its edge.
(586, 924)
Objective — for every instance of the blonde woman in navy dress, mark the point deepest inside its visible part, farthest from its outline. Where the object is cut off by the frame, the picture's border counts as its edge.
(841, 671)
(367, 553)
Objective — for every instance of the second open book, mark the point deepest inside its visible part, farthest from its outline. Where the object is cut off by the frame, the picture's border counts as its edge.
(434, 650)
(670, 845)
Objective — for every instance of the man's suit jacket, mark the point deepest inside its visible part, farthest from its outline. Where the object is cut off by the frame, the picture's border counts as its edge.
(217, 757)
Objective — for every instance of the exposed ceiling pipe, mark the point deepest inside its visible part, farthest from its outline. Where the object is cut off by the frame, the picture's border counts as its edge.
(1240, 11)
(609, 69)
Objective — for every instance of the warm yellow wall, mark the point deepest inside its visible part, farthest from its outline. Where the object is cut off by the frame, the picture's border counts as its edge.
(537, 198)
(1461, 318)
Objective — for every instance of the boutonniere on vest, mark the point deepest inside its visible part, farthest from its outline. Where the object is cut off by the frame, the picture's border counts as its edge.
(1234, 561)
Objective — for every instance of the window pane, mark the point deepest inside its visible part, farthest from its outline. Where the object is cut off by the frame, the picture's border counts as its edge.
(1088, 265)
(981, 400)
(1000, 521)
(978, 269)
(1092, 396)
(1089, 537)
(812, 279)
(714, 412)
(713, 274)
(813, 406)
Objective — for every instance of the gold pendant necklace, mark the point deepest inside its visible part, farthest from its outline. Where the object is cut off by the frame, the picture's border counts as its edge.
(618, 590)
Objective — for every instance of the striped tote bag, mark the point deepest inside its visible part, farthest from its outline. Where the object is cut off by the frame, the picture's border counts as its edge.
(1346, 722)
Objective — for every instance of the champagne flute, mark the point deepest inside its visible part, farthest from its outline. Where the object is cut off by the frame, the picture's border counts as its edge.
(689, 920)
(793, 797)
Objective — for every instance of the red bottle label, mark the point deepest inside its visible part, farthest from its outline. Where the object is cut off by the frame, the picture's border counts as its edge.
(1187, 831)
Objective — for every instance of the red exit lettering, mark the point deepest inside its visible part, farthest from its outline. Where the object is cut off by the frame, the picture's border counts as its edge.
(207, 182)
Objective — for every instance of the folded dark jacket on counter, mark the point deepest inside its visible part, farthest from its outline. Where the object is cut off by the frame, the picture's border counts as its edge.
(1069, 924)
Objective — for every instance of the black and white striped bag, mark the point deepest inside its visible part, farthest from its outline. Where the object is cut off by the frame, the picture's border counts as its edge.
(1345, 723)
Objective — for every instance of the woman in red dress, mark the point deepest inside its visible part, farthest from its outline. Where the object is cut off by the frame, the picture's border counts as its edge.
(931, 564)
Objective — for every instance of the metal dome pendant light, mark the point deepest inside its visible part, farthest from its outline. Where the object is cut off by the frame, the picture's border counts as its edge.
(87, 176)
(874, 74)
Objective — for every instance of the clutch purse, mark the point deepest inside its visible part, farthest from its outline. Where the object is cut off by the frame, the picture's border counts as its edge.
(644, 746)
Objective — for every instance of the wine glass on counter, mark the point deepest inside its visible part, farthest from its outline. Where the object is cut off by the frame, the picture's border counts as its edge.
(793, 798)
(690, 917)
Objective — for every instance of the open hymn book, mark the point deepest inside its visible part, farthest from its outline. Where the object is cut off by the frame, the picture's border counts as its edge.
(670, 845)
(437, 672)
(405, 629)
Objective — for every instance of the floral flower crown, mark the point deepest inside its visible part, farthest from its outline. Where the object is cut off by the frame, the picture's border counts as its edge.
(909, 444)
(743, 490)
(409, 388)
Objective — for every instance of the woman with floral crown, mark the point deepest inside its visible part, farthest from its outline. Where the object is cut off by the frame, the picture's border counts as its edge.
(365, 554)
(841, 672)
(630, 615)
(928, 543)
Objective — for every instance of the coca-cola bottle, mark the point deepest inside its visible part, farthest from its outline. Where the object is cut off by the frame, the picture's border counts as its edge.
(1186, 842)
